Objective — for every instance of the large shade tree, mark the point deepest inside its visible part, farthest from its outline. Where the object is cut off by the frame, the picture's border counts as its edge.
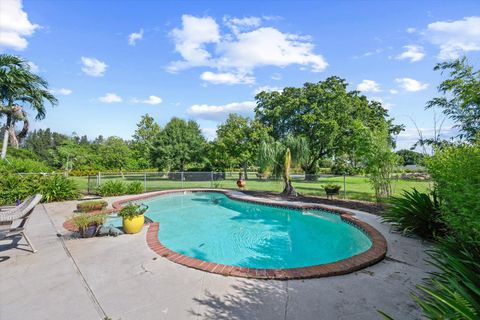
(20, 88)
(178, 145)
(237, 142)
(325, 114)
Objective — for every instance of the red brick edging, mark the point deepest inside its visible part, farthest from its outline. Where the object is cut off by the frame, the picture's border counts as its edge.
(373, 255)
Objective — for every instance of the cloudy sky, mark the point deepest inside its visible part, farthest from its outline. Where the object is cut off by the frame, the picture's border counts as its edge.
(109, 62)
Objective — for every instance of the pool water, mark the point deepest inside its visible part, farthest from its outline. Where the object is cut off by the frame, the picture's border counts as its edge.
(212, 227)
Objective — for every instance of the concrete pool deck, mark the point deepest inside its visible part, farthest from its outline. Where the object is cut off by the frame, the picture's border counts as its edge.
(123, 279)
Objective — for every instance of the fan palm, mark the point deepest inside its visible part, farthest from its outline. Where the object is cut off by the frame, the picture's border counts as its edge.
(19, 88)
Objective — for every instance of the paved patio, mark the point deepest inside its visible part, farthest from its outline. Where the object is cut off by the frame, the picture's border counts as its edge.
(123, 279)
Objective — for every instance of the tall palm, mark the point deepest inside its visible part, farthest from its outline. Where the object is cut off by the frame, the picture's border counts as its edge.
(280, 155)
(19, 88)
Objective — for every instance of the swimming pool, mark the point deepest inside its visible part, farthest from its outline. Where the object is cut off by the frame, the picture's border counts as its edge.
(212, 227)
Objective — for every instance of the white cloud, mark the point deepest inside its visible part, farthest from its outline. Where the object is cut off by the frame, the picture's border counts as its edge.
(393, 91)
(33, 67)
(412, 52)
(267, 89)
(455, 37)
(61, 91)
(14, 25)
(110, 98)
(190, 41)
(241, 24)
(226, 78)
(242, 51)
(220, 112)
(93, 67)
(368, 86)
(411, 85)
(411, 30)
(153, 100)
(134, 37)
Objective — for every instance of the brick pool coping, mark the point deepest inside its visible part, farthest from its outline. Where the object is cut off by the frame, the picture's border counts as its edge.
(373, 255)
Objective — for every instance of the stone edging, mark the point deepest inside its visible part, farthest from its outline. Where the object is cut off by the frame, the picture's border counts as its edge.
(373, 255)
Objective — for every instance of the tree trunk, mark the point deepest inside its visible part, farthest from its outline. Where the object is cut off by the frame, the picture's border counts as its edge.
(244, 165)
(289, 190)
(5, 136)
(13, 136)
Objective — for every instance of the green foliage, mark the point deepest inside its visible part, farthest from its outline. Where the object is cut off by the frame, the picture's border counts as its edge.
(409, 157)
(415, 212)
(332, 188)
(461, 98)
(325, 114)
(237, 142)
(118, 188)
(132, 210)
(15, 187)
(456, 172)
(134, 187)
(92, 205)
(24, 165)
(19, 88)
(112, 188)
(83, 220)
(452, 292)
(58, 188)
(342, 166)
(178, 145)
(143, 139)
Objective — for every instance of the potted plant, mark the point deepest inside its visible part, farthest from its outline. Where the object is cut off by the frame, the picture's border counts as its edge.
(87, 224)
(132, 217)
(331, 190)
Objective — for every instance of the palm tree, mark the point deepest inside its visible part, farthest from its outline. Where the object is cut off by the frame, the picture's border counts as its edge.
(280, 155)
(19, 88)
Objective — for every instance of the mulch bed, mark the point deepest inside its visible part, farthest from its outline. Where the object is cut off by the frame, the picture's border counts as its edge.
(371, 207)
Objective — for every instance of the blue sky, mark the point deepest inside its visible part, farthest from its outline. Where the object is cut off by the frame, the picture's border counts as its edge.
(109, 62)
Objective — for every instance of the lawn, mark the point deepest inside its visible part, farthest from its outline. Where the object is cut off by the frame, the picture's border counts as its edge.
(357, 187)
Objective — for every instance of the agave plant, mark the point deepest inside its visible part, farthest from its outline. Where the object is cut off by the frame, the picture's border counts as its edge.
(415, 212)
(453, 292)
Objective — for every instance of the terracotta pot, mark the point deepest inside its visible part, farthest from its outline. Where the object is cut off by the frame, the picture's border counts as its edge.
(241, 183)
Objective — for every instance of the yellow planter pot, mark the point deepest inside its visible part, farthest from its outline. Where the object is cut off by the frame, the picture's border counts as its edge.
(133, 225)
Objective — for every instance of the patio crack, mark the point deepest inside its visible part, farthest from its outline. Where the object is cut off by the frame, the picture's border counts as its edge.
(286, 301)
(87, 287)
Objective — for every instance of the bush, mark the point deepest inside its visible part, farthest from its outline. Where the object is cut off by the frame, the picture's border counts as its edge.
(134, 187)
(15, 187)
(92, 205)
(453, 292)
(112, 188)
(24, 165)
(58, 188)
(456, 172)
(415, 212)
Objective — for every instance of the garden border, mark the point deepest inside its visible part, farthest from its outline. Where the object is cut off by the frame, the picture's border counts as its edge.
(373, 255)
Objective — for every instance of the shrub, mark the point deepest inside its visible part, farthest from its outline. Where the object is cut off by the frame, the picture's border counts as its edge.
(453, 292)
(415, 212)
(58, 188)
(112, 188)
(92, 205)
(25, 165)
(332, 188)
(134, 187)
(456, 172)
(132, 210)
(15, 187)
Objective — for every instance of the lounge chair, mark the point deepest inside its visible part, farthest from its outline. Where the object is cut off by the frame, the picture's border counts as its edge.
(9, 215)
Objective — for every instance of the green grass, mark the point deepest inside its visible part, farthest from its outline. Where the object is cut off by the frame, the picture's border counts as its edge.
(358, 187)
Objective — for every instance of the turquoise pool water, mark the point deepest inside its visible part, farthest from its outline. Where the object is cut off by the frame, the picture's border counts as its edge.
(212, 227)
